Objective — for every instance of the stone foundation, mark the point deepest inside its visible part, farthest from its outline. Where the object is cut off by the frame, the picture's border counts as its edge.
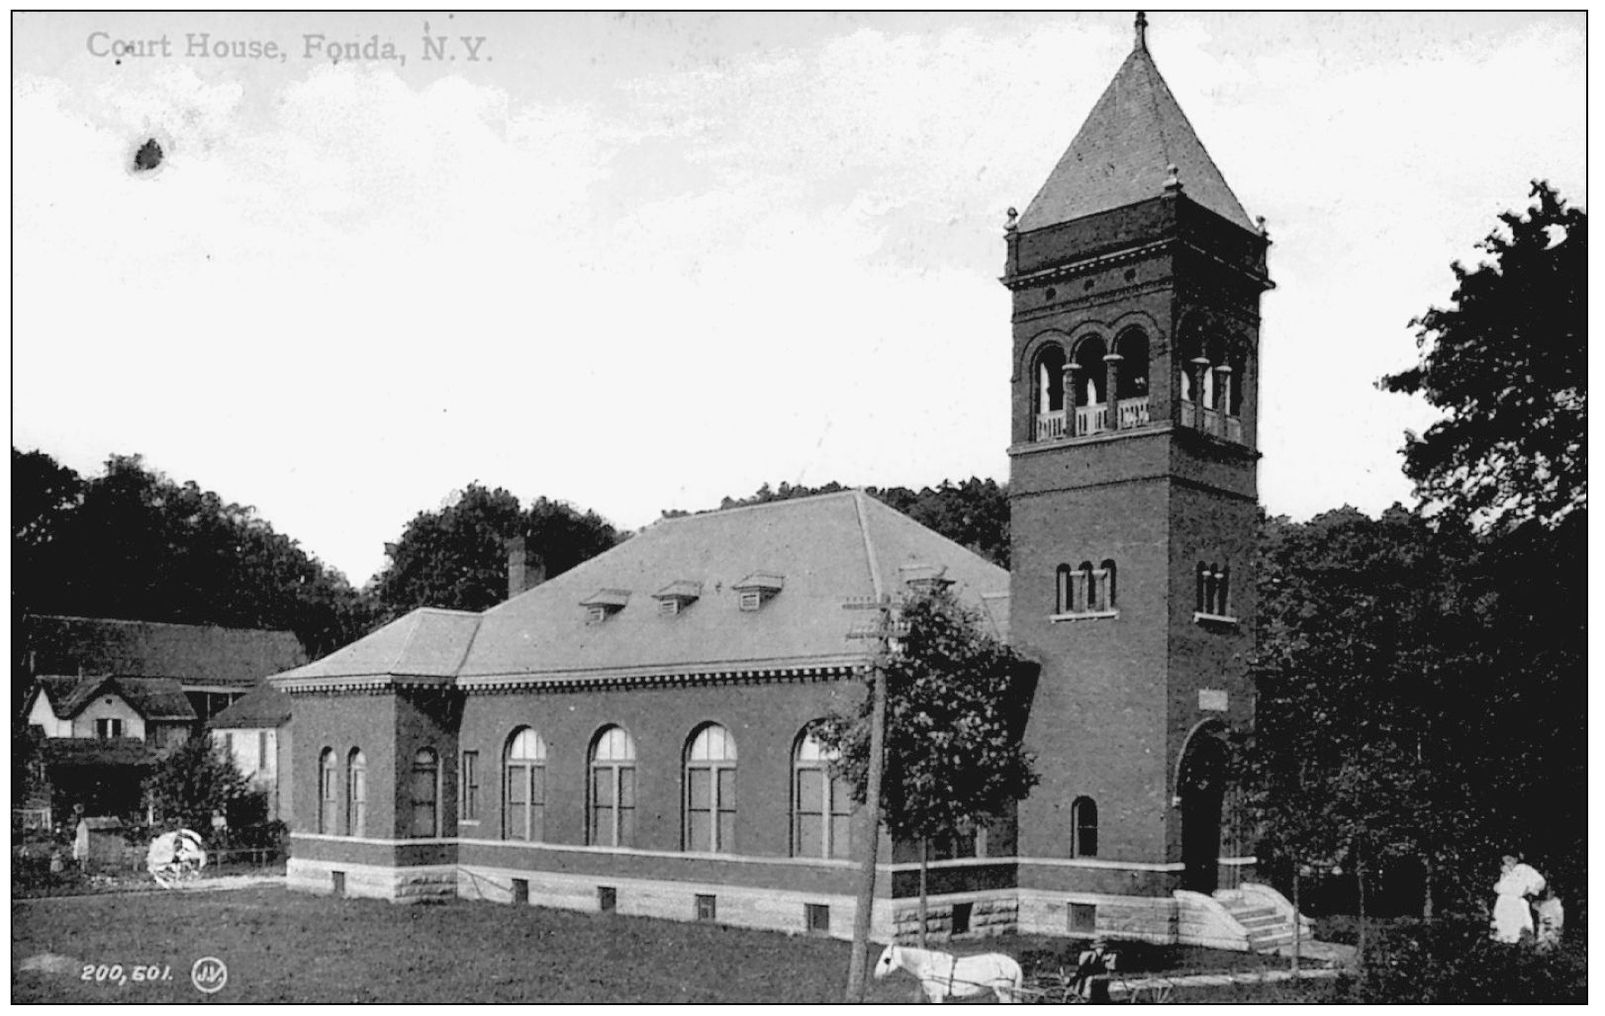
(399, 885)
(990, 914)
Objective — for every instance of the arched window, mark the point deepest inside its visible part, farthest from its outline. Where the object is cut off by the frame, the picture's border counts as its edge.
(1222, 588)
(1211, 580)
(1084, 823)
(710, 791)
(1087, 595)
(821, 807)
(1050, 379)
(426, 793)
(328, 792)
(1132, 380)
(612, 789)
(1063, 585)
(1091, 380)
(524, 807)
(1107, 600)
(356, 793)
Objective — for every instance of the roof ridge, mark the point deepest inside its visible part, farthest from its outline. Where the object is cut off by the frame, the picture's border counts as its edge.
(869, 545)
(771, 503)
(406, 643)
(164, 624)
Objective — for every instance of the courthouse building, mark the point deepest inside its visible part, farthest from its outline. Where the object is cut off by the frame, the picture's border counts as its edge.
(632, 735)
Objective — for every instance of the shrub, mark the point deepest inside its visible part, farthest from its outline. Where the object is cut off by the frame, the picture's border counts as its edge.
(1454, 960)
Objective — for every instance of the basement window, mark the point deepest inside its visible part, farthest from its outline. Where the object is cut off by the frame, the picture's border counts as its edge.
(817, 917)
(961, 917)
(707, 908)
(1083, 919)
(607, 899)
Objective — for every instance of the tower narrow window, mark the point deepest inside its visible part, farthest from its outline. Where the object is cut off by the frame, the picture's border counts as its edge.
(425, 794)
(1063, 585)
(1107, 599)
(821, 807)
(1050, 379)
(612, 789)
(356, 793)
(1203, 581)
(1088, 583)
(524, 813)
(328, 792)
(1222, 589)
(1084, 823)
(1091, 380)
(710, 791)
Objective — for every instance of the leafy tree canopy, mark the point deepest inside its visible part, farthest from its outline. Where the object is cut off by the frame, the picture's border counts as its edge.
(1420, 692)
(953, 754)
(457, 557)
(134, 544)
(1507, 364)
(195, 781)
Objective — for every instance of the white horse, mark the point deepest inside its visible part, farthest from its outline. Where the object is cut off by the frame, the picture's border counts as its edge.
(943, 976)
(175, 857)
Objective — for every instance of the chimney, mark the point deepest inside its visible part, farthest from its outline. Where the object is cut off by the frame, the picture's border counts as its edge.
(525, 571)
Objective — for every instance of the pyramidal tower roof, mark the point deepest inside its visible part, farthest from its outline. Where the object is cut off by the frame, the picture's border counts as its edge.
(1124, 151)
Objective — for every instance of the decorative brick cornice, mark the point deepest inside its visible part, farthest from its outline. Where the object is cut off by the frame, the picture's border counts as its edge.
(493, 684)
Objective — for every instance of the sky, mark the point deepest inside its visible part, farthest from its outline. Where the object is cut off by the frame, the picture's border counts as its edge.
(642, 262)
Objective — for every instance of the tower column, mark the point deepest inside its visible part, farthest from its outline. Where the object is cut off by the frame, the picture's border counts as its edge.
(1200, 365)
(1223, 396)
(1072, 397)
(1111, 363)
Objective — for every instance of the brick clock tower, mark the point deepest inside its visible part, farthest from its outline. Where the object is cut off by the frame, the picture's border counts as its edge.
(1136, 278)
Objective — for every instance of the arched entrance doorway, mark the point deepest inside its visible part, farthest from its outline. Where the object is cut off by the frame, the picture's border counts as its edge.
(1201, 785)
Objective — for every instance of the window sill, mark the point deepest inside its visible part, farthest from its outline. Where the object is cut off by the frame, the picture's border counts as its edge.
(1200, 617)
(1084, 615)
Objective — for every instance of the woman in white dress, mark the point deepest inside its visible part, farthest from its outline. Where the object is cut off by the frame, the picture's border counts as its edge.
(1512, 914)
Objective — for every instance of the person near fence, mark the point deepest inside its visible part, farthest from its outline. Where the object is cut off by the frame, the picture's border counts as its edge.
(1512, 914)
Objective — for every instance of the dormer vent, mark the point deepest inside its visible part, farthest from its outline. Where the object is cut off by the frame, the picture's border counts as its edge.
(924, 577)
(676, 596)
(604, 603)
(758, 588)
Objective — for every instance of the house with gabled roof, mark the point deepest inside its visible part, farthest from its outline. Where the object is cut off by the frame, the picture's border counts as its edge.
(255, 732)
(214, 665)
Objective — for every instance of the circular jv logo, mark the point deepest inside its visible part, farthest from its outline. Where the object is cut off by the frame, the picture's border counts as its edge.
(209, 974)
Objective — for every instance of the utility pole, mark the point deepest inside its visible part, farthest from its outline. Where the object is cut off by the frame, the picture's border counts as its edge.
(882, 632)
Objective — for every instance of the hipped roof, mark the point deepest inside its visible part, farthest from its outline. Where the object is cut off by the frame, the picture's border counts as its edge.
(1122, 153)
(830, 549)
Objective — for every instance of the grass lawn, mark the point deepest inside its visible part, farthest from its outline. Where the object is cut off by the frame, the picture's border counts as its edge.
(290, 947)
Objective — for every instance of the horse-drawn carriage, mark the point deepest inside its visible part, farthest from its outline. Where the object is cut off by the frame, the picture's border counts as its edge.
(943, 977)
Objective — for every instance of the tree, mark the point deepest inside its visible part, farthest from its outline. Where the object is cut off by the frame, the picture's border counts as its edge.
(194, 782)
(1507, 363)
(1419, 708)
(953, 755)
(457, 557)
(1334, 746)
(134, 544)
